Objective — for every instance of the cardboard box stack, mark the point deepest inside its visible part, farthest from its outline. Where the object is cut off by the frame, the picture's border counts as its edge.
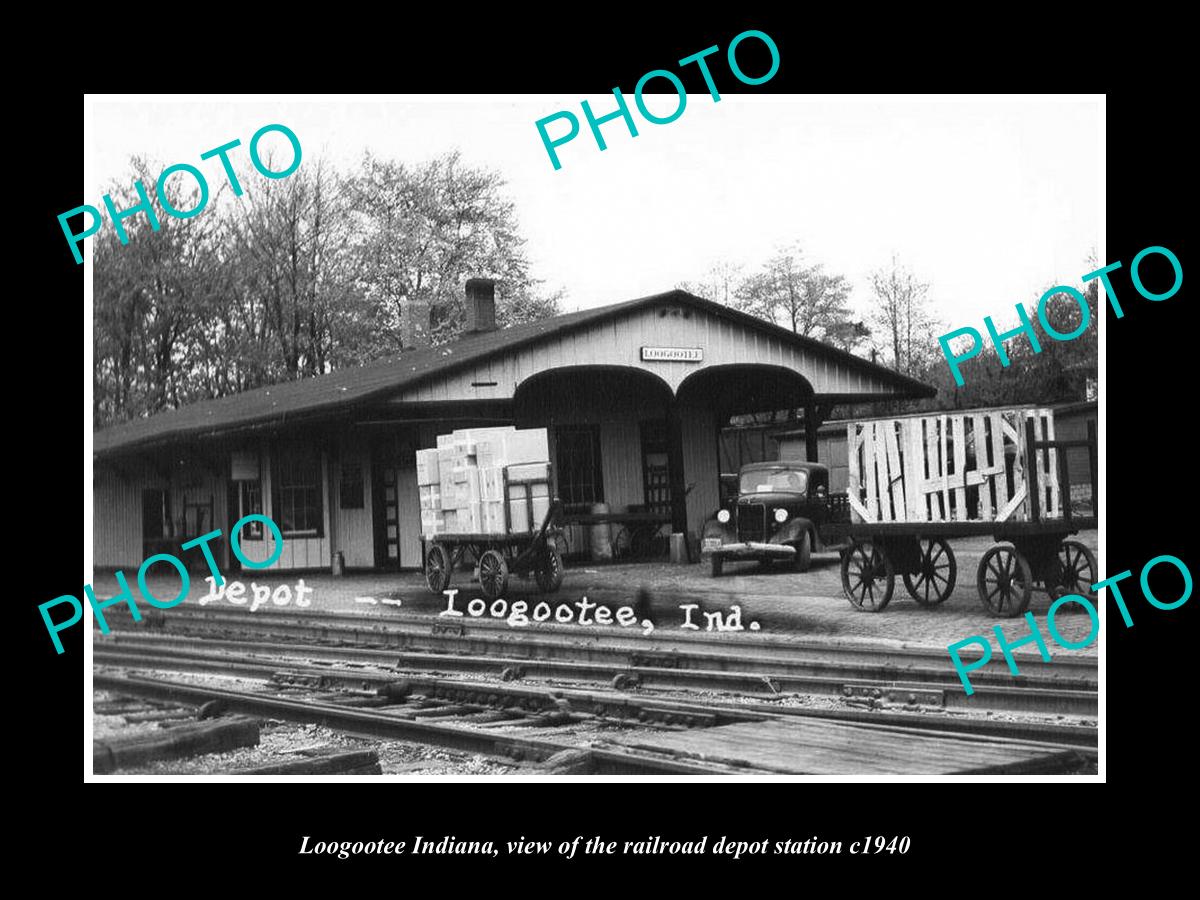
(461, 481)
(528, 495)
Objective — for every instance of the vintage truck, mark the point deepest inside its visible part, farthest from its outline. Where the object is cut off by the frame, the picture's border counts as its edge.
(782, 511)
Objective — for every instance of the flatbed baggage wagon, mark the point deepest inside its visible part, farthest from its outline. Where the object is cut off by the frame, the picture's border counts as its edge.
(502, 514)
(918, 482)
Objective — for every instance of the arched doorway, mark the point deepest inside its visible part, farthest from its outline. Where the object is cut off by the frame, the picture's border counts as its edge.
(610, 438)
(705, 401)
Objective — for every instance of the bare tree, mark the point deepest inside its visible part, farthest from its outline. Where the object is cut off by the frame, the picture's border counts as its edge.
(902, 314)
(721, 283)
(293, 269)
(803, 298)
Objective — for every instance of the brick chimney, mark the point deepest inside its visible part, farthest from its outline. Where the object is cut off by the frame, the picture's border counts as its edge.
(414, 325)
(481, 304)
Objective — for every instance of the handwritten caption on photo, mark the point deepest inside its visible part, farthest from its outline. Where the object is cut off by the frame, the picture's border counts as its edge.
(585, 612)
(126, 595)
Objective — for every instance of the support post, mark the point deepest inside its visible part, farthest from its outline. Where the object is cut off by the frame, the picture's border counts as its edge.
(812, 422)
(675, 457)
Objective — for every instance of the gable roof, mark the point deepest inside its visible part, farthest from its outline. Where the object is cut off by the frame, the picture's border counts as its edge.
(344, 388)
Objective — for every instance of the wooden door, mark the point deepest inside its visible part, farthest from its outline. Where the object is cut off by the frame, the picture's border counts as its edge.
(409, 515)
(387, 516)
(396, 504)
(656, 466)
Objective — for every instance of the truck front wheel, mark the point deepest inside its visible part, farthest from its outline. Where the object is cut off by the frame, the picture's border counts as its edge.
(803, 558)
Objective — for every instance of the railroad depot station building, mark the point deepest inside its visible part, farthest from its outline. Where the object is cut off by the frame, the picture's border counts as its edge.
(633, 395)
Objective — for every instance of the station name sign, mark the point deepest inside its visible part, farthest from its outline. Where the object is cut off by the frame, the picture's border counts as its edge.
(672, 354)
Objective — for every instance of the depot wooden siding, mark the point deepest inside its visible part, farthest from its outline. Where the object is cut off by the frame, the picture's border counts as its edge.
(298, 552)
(352, 533)
(117, 517)
(618, 342)
(831, 450)
(620, 436)
(117, 527)
(701, 466)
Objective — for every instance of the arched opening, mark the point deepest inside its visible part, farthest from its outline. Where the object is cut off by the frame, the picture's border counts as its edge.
(712, 452)
(744, 389)
(610, 437)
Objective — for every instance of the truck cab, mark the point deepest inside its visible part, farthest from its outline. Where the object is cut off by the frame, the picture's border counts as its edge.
(781, 511)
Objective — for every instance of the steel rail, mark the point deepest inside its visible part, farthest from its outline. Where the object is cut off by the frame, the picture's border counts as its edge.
(437, 631)
(669, 710)
(609, 761)
(868, 683)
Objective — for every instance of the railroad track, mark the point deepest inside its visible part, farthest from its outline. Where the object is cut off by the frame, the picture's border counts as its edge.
(912, 677)
(400, 630)
(355, 670)
(388, 725)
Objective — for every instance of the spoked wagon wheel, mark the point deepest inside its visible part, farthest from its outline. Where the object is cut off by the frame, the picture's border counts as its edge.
(561, 544)
(1076, 570)
(1005, 581)
(802, 561)
(868, 577)
(623, 544)
(933, 582)
(493, 574)
(549, 571)
(437, 568)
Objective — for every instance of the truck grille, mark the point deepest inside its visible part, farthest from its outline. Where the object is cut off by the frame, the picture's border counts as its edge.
(752, 522)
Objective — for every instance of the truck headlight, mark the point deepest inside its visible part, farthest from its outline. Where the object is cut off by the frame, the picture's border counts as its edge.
(723, 516)
(781, 516)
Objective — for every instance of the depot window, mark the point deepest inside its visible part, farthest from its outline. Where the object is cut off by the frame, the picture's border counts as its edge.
(297, 477)
(578, 463)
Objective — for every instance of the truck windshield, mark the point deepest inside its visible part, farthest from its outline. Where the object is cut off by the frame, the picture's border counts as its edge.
(767, 480)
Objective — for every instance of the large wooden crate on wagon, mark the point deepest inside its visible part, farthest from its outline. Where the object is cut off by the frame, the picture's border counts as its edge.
(487, 492)
(916, 481)
(951, 467)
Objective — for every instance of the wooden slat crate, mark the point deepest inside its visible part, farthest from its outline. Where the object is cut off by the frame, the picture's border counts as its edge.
(950, 467)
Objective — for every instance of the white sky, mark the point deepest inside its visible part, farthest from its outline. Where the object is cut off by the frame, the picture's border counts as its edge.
(988, 200)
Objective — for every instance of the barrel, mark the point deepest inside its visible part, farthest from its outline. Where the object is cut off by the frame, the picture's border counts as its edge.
(601, 535)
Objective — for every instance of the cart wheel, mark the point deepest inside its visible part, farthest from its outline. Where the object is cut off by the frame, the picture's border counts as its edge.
(549, 572)
(561, 544)
(1005, 581)
(623, 544)
(1076, 570)
(933, 582)
(718, 566)
(437, 568)
(868, 577)
(642, 542)
(493, 574)
(803, 558)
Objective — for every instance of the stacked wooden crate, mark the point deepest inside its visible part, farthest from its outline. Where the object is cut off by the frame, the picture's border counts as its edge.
(429, 489)
(461, 480)
(950, 467)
